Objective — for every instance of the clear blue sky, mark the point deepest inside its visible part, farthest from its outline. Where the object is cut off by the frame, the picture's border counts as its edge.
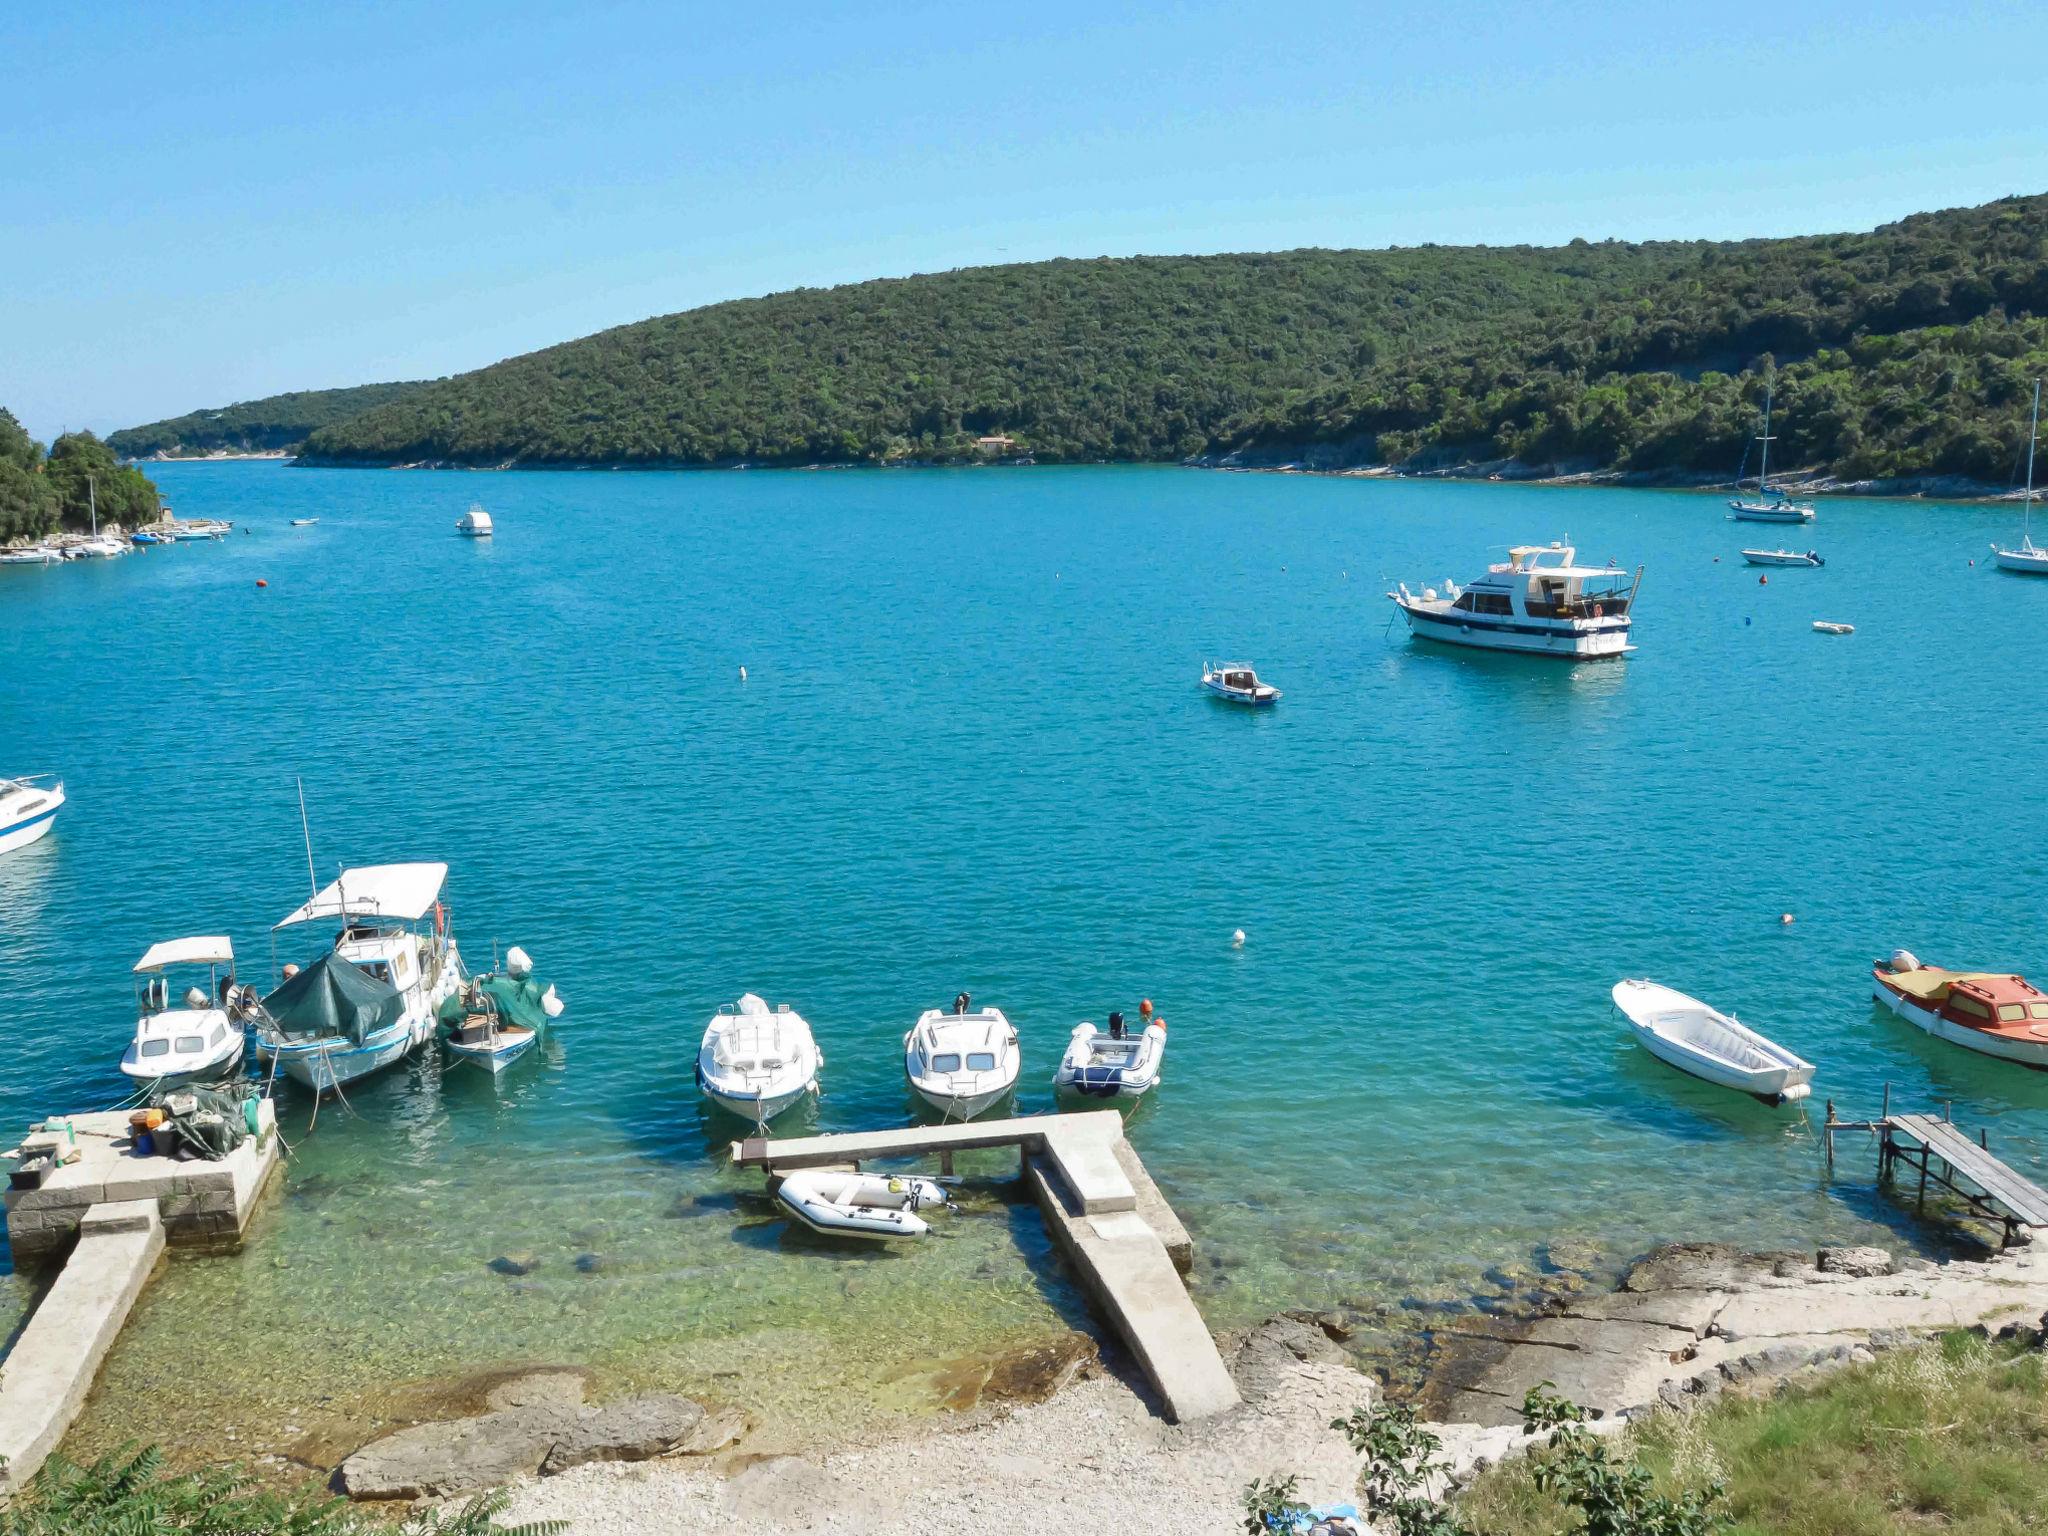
(208, 203)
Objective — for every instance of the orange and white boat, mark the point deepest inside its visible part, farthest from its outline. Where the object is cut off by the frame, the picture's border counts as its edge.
(1998, 1014)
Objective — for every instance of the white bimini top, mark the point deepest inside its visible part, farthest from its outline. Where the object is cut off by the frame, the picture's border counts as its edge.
(406, 892)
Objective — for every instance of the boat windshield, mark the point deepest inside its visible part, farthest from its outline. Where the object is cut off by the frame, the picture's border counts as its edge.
(950, 1062)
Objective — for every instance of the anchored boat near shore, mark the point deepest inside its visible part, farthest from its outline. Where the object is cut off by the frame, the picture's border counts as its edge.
(1770, 505)
(373, 998)
(963, 1062)
(2027, 558)
(198, 1041)
(756, 1061)
(1540, 602)
(1992, 1013)
(1713, 1046)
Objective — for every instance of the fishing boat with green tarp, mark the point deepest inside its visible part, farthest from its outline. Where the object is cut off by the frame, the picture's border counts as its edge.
(499, 1016)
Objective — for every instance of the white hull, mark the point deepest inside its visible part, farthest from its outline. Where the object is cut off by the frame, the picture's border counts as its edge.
(1685, 1033)
(19, 826)
(1573, 639)
(324, 1066)
(756, 1062)
(2026, 1053)
(222, 1065)
(1769, 512)
(2029, 562)
(868, 1206)
(27, 832)
(963, 1107)
(495, 1055)
(962, 1064)
(1777, 557)
(753, 1107)
(1098, 1067)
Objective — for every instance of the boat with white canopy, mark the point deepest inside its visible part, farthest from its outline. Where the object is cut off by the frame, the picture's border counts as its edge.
(373, 997)
(1541, 602)
(865, 1205)
(2027, 557)
(962, 1062)
(1713, 1046)
(474, 524)
(28, 808)
(196, 1039)
(757, 1061)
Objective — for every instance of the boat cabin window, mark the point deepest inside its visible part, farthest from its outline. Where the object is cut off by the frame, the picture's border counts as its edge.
(950, 1062)
(2011, 1013)
(401, 966)
(1237, 679)
(1969, 1005)
(188, 1044)
(2038, 1010)
(378, 969)
(156, 1047)
(220, 1032)
(981, 1061)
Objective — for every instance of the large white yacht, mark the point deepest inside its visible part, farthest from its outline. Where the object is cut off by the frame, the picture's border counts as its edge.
(1540, 601)
(28, 808)
(371, 999)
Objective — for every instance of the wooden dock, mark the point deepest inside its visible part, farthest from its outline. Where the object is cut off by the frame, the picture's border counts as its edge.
(1121, 1237)
(1946, 1156)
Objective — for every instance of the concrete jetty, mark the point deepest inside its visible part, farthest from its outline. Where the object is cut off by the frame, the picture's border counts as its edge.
(200, 1202)
(1118, 1233)
(48, 1373)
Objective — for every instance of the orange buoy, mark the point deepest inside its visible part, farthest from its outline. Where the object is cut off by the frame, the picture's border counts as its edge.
(261, 582)
(1763, 581)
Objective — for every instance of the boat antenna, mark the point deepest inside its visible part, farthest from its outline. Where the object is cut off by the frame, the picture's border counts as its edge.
(312, 879)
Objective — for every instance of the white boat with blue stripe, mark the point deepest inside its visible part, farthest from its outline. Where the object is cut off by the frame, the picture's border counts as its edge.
(1541, 602)
(28, 809)
(756, 1061)
(372, 998)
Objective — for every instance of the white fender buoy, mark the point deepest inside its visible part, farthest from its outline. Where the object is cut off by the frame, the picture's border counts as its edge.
(743, 674)
(1237, 939)
(518, 963)
(550, 1003)
(1784, 917)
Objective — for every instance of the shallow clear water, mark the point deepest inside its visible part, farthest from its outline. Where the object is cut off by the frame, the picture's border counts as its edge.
(970, 752)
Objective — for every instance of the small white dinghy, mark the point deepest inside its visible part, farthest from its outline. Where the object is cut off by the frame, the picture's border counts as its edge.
(1825, 627)
(1781, 557)
(869, 1205)
(1112, 1064)
(757, 1062)
(1711, 1045)
(962, 1062)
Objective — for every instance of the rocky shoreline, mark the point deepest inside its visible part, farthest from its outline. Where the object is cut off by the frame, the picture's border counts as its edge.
(1063, 1442)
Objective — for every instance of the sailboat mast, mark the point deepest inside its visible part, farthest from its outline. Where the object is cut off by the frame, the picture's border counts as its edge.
(2033, 433)
(93, 500)
(1763, 468)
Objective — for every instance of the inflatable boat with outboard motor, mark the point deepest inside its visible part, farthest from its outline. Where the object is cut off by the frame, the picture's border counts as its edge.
(1113, 1064)
(869, 1205)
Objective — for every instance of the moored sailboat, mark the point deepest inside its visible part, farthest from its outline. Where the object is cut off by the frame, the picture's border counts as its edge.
(2028, 558)
(1769, 505)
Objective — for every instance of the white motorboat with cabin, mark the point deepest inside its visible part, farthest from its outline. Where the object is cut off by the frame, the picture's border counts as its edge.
(1116, 1063)
(1713, 1046)
(28, 809)
(1541, 602)
(963, 1062)
(1237, 682)
(197, 1041)
(2028, 558)
(373, 997)
(1781, 557)
(757, 1061)
(866, 1205)
(474, 524)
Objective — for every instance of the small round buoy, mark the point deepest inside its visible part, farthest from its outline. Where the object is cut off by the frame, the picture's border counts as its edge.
(1237, 939)
(1784, 917)
(1763, 581)
(1145, 1005)
(261, 582)
(1746, 623)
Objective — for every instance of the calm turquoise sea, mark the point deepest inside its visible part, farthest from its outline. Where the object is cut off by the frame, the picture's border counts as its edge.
(970, 752)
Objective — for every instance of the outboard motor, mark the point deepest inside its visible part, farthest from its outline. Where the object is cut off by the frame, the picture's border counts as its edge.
(962, 1003)
(1905, 960)
(1116, 1026)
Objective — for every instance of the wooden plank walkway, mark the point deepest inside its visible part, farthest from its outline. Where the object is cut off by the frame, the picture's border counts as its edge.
(1125, 1244)
(2002, 1192)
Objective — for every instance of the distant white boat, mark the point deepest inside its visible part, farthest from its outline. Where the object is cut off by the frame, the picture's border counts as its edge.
(474, 524)
(1711, 1045)
(304, 522)
(196, 1041)
(963, 1062)
(37, 554)
(1541, 602)
(1236, 681)
(1828, 627)
(757, 1062)
(866, 1205)
(1769, 505)
(2028, 558)
(1781, 557)
(28, 809)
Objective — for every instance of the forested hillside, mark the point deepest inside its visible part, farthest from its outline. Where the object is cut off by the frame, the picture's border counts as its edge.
(40, 492)
(1905, 352)
(256, 426)
(1146, 358)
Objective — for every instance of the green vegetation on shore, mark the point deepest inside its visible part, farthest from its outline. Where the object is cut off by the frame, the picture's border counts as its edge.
(1903, 353)
(40, 493)
(277, 424)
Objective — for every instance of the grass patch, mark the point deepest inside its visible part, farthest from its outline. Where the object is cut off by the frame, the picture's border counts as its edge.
(1951, 1438)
